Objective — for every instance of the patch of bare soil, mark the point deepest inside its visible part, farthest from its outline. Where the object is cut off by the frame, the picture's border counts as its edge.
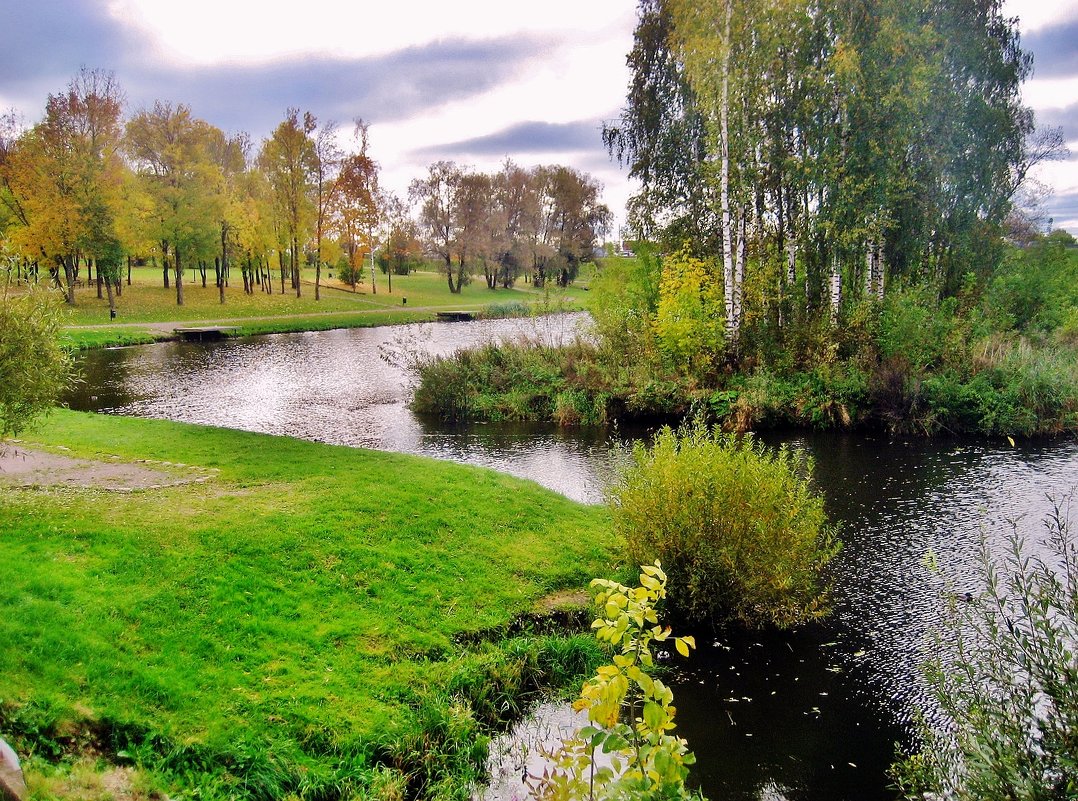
(24, 467)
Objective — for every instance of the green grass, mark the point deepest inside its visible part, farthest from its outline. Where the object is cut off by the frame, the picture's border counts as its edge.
(147, 301)
(303, 615)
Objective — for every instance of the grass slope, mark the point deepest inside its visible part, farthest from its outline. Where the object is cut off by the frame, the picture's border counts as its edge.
(302, 613)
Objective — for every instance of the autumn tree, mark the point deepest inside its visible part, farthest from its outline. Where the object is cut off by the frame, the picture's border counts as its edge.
(61, 178)
(285, 158)
(230, 154)
(358, 202)
(171, 150)
(402, 247)
(437, 196)
(323, 163)
(852, 143)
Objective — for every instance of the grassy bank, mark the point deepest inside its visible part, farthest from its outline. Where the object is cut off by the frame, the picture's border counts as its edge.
(416, 297)
(1013, 388)
(315, 621)
(999, 359)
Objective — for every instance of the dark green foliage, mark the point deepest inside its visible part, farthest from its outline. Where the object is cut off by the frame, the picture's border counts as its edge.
(1035, 289)
(1006, 679)
(737, 529)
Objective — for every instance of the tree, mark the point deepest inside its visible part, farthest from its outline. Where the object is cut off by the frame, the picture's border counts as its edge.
(62, 178)
(172, 154)
(853, 142)
(402, 247)
(324, 158)
(358, 203)
(230, 154)
(438, 197)
(285, 158)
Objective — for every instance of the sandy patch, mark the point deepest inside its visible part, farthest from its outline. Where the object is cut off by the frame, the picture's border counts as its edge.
(24, 467)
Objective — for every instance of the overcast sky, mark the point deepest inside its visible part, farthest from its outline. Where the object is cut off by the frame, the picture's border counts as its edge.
(473, 81)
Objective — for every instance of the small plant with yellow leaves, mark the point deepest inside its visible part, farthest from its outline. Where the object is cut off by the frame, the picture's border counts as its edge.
(627, 750)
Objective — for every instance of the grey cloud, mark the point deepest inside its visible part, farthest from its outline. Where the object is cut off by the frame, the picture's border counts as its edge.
(395, 86)
(1063, 118)
(525, 138)
(43, 43)
(1054, 51)
(1062, 207)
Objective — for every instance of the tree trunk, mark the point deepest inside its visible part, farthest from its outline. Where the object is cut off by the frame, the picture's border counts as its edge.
(69, 278)
(112, 299)
(728, 276)
(164, 262)
(100, 280)
(881, 269)
(129, 271)
(280, 258)
(739, 273)
(179, 276)
(836, 289)
(449, 274)
(295, 266)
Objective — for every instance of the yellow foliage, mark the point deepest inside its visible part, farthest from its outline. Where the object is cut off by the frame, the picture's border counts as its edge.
(630, 714)
(690, 320)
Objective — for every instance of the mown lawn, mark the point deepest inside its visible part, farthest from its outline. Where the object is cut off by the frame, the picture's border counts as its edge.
(146, 300)
(311, 618)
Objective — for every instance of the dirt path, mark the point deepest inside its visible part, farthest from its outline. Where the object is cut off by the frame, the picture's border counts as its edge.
(26, 467)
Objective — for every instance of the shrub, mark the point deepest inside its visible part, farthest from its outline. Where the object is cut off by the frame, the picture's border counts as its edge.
(34, 368)
(915, 327)
(630, 713)
(1007, 683)
(740, 533)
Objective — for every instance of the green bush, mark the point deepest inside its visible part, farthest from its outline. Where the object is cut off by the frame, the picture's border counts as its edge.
(34, 367)
(737, 528)
(915, 327)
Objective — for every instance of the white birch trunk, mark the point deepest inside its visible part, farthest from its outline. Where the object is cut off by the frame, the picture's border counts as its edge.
(791, 263)
(881, 270)
(836, 290)
(728, 276)
(739, 270)
(870, 267)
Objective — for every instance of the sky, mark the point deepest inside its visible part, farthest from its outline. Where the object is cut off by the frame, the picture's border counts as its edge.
(474, 81)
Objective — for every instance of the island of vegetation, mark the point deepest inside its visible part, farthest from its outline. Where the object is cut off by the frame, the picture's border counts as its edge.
(832, 233)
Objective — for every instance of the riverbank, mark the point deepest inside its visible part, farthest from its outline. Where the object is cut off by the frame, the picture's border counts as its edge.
(998, 387)
(147, 311)
(301, 618)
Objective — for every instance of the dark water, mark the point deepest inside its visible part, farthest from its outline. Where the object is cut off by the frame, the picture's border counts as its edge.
(811, 715)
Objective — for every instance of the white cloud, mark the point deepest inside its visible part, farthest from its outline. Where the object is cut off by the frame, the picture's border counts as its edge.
(1034, 14)
(208, 32)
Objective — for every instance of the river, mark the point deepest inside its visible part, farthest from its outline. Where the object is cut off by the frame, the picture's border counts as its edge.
(812, 715)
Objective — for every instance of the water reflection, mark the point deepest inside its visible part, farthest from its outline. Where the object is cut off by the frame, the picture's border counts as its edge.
(811, 715)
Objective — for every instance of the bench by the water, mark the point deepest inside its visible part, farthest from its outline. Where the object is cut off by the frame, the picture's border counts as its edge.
(455, 316)
(206, 333)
